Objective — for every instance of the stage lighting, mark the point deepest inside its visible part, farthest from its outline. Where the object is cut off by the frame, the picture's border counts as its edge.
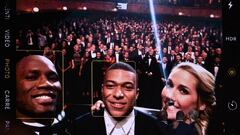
(212, 16)
(84, 8)
(180, 13)
(64, 8)
(35, 9)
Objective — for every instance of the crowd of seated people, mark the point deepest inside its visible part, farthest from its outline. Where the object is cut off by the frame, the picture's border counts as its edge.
(123, 38)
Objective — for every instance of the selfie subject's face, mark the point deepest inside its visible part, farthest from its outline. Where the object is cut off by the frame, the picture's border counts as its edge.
(119, 92)
(37, 86)
(181, 88)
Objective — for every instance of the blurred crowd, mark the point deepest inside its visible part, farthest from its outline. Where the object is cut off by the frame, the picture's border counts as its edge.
(72, 44)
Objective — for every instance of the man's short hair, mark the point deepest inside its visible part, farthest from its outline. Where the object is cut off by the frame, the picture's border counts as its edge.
(122, 66)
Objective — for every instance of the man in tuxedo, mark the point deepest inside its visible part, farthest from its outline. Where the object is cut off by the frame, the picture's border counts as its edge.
(119, 94)
(152, 82)
(165, 67)
(37, 93)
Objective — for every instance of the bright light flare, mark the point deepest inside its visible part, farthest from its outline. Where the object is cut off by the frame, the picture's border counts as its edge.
(64, 8)
(35, 9)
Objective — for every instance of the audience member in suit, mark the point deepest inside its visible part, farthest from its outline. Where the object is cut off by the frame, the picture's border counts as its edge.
(152, 82)
(126, 57)
(37, 96)
(200, 61)
(178, 59)
(119, 91)
(172, 56)
(118, 53)
(165, 53)
(165, 67)
(30, 40)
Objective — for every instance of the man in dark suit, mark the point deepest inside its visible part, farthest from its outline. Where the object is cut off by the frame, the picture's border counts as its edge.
(119, 94)
(165, 67)
(37, 93)
(152, 82)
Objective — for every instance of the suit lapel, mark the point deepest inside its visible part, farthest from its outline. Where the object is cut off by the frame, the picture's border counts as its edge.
(138, 124)
(99, 128)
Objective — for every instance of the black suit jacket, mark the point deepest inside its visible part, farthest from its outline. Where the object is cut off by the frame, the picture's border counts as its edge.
(19, 128)
(153, 67)
(89, 125)
(167, 70)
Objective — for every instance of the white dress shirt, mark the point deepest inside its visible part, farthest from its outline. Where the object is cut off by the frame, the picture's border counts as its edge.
(123, 127)
(149, 61)
(117, 56)
(164, 66)
(34, 124)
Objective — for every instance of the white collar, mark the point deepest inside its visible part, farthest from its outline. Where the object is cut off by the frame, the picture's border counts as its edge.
(127, 124)
(34, 124)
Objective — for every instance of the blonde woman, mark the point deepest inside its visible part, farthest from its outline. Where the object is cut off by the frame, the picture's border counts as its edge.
(189, 88)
